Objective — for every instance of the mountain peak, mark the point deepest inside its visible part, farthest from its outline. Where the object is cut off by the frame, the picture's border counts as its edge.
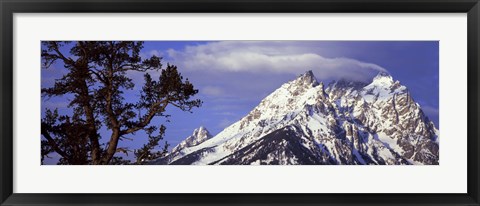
(382, 80)
(201, 131)
(383, 77)
(199, 136)
(309, 73)
(307, 78)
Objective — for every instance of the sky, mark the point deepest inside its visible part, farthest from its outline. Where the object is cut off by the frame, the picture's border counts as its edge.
(234, 76)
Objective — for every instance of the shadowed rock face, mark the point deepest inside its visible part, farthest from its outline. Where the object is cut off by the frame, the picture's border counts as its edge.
(192, 157)
(304, 123)
(281, 147)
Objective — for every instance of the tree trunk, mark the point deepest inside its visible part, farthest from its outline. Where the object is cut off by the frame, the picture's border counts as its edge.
(112, 146)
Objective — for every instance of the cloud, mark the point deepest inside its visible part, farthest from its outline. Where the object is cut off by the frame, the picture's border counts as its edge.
(212, 91)
(280, 57)
(226, 113)
(150, 53)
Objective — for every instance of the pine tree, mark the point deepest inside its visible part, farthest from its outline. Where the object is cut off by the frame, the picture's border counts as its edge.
(97, 79)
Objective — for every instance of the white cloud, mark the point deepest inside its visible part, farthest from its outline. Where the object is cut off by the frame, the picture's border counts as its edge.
(281, 57)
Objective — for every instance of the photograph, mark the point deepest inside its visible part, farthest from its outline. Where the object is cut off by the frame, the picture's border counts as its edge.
(271, 102)
(240, 102)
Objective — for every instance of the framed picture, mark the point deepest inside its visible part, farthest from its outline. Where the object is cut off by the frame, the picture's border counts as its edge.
(245, 103)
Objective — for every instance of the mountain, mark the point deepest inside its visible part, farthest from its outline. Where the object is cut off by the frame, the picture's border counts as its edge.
(304, 122)
(199, 135)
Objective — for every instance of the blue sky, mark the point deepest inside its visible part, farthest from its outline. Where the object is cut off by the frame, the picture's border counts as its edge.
(234, 76)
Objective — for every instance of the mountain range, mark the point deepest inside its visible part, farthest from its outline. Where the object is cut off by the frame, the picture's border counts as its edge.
(305, 122)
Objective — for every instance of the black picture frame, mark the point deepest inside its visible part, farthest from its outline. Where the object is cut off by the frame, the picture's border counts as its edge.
(10, 7)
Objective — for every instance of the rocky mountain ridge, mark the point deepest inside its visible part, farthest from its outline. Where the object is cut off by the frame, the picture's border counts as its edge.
(304, 122)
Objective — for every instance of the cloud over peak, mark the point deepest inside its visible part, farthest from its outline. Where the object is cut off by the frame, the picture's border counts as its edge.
(281, 57)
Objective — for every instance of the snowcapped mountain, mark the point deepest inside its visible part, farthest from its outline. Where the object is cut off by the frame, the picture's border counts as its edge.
(304, 122)
(199, 135)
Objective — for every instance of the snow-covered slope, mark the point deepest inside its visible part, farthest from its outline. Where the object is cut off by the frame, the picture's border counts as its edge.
(199, 136)
(302, 122)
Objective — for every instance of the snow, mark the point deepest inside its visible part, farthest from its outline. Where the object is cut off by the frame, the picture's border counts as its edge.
(297, 103)
(437, 133)
(389, 142)
(219, 153)
(369, 98)
(317, 123)
(255, 162)
(385, 153)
